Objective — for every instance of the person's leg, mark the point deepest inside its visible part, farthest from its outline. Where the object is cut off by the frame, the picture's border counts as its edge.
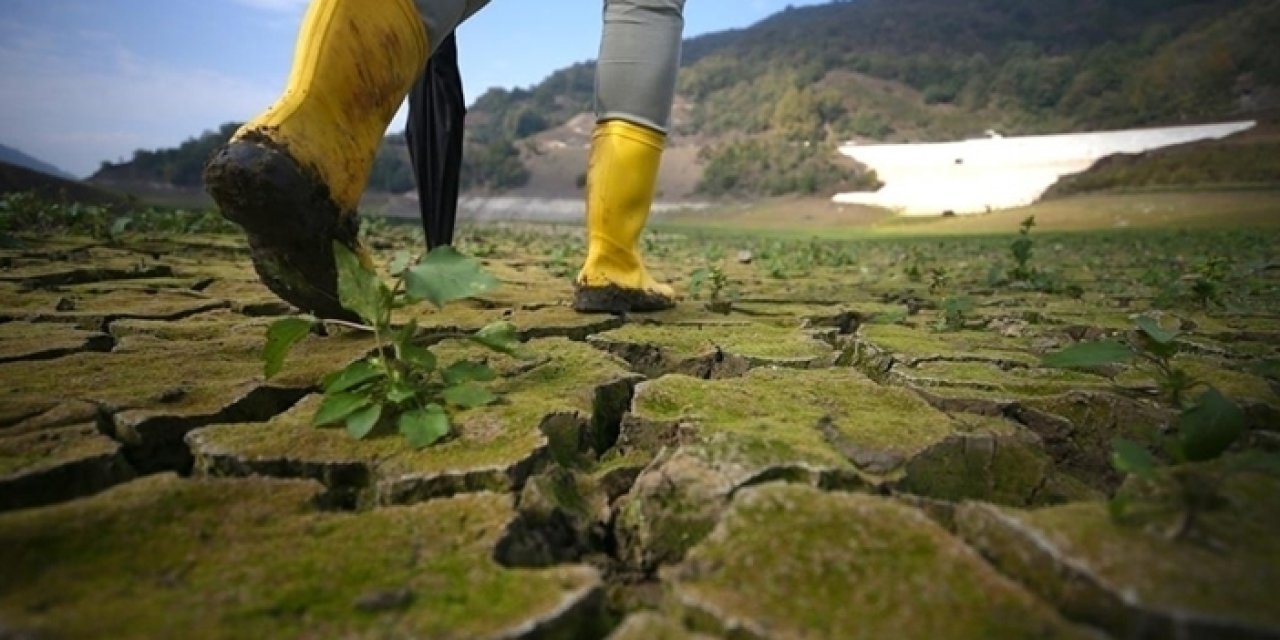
(293, 175)
(635, 84)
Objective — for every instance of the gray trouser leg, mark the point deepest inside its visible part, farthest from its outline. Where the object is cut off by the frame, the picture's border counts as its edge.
(441, 17)
(639, 57)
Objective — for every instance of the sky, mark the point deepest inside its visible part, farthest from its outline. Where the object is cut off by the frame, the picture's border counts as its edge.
(87, 81)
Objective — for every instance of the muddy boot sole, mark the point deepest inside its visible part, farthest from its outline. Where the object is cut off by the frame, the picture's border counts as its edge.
(289, 219)
(616, 300)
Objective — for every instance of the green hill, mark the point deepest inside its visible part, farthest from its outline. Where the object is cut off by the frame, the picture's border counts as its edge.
(773, 99)
(770, 102)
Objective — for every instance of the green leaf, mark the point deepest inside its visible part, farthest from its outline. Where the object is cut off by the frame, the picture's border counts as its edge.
(361, 423)
(353, 375)
(1130, 457)
(501, 336)
(120, 225)
(420, 357)
(469, 396)
(424, 427)
(404, 335)
(446, 275)
(1210, 426)
(360, 290)
(401, 392)
(1089, 354)
(399, 262)
(1152, 328)
(281, 336)
(337, 406)
(465, 371)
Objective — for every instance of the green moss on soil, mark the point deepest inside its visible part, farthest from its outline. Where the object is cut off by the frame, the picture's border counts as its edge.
(488, 439)
(1234, 581)
(751, 341)
(157, 376)
(991, 381)
(20, 340)
(854, 566)
(163, 557)
(775, 414)
(45, 449)
(910, 343)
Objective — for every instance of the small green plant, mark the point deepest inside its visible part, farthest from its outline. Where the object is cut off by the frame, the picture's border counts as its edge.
(915, 265)
(1022, 248)
(1208, 282)
(938, 279)
(402, 383)
(955, 312)
(1150, 343)
(1205, 429)
(720, 294)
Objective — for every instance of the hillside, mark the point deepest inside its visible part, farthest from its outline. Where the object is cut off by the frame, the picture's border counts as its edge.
(907, 70)
(762, 108)
(1248, 160)
(19, 179)
(11, 156)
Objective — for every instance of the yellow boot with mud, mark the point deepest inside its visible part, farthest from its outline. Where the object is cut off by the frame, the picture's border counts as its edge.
(622, 175)
(293, 176)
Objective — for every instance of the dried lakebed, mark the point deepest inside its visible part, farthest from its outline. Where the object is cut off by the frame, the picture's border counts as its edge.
(825, 460)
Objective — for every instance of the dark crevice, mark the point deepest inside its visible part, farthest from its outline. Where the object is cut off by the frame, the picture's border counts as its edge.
(90, 276)
(103, 343)
(155, 443)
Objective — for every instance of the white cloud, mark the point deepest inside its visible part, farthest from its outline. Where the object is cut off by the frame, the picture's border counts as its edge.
(76, 106)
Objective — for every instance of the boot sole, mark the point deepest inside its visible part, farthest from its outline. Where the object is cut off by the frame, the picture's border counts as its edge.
(289, 219)
(616, 300)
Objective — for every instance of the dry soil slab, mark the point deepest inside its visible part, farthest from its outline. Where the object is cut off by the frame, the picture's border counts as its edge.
(854, 566)
(831, 428)
(566, 403)
(165, 557)
(1137, 582)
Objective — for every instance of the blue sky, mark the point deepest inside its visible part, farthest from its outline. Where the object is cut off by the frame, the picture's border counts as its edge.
(82, 81)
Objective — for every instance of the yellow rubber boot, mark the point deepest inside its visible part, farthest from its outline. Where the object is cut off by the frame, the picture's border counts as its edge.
(622, 175)
(293, 176)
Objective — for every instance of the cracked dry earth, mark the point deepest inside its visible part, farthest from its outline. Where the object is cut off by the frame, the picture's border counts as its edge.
(813, 464)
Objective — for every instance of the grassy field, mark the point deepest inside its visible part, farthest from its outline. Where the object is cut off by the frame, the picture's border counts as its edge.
(1144, 210)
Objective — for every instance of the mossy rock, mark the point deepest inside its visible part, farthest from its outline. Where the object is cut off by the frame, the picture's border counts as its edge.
(535, 321)
(1141, 584)
(54, 465)
(1077, 429)
(1007, 470)
(45, 341)
(563, 517)
(828, 428)
(914, 345)
(789, 561)
(713, 350)
(565, 406)
(988, 381)
(165, 557)
(833, 418)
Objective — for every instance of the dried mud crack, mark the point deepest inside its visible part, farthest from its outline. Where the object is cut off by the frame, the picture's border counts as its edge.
(823, 460)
